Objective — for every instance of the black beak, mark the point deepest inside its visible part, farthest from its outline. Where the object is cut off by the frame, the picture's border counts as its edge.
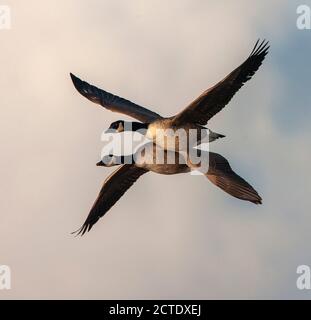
(100, 163)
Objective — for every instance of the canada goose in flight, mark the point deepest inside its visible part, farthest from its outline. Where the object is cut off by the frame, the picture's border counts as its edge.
(219, 173)
(195, 116)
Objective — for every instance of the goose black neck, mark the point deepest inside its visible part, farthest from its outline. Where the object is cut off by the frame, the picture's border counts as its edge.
(139, 126)
(129, 159)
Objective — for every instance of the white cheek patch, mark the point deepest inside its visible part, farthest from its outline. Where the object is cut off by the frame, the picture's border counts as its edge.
(120, 128)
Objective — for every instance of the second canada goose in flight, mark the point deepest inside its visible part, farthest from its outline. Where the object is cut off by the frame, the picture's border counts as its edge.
(195, 116)
(219, 173)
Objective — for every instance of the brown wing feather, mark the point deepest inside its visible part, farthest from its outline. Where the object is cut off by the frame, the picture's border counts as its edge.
(221, 174)
(216, 98)
(113, 189)
(113, 102)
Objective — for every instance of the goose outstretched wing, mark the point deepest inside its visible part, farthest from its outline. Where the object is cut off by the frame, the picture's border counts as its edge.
(213, 100)
(221, 174)
(113, 102)
(113, 189)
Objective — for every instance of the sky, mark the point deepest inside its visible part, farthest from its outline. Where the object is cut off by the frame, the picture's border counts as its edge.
(169, 237)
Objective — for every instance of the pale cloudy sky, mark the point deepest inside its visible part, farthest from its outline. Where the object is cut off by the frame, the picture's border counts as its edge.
(168, 237)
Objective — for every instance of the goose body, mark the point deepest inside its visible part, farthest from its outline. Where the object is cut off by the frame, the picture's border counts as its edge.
(166, 135)
(151, 157)
(179, 137)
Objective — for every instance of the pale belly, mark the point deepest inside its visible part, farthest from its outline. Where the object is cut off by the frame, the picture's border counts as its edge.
(179, 139)
(168, 169)
(153, 158)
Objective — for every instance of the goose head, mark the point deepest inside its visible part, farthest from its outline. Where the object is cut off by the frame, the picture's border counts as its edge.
(108, 161)
(122, 126)
(117, 126)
